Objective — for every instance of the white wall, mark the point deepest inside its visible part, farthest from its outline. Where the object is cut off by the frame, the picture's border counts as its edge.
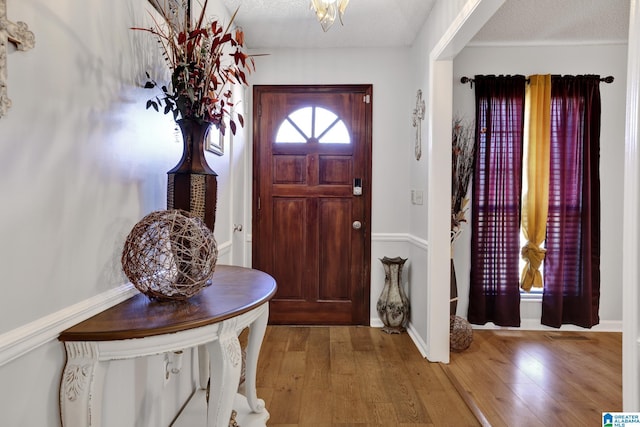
(604, 60)
(447, 29)
(82, 162)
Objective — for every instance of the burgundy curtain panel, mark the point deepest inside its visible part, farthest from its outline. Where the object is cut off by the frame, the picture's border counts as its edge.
(494, 294)
(572, 265)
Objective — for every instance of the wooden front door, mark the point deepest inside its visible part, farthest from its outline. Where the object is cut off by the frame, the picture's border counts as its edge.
(312, 201)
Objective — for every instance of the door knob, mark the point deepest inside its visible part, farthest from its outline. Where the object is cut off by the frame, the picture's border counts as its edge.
(357, 225)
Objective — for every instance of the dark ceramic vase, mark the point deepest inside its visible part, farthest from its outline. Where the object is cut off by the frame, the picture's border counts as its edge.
(192, 185)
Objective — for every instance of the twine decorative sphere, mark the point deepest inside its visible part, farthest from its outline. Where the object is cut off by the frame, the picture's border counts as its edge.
(461, 333)
(170, 255)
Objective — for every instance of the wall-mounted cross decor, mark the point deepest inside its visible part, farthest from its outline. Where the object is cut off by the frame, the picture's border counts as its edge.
(17, 33)
(418, 117)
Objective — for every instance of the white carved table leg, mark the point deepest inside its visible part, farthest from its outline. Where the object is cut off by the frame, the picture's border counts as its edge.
(225, 358)
(203, 366)
(256, 334)
(81, 387)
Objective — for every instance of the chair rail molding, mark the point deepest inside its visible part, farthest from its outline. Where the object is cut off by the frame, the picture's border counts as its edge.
(401, 238)
(26, 338)
(17, 33)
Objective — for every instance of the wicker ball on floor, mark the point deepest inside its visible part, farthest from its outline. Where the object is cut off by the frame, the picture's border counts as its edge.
(461, 333)
(170, 255)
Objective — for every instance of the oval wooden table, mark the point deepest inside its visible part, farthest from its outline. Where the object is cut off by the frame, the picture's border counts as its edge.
(211, 320)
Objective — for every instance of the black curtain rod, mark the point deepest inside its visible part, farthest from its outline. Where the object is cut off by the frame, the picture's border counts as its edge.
(465, 79)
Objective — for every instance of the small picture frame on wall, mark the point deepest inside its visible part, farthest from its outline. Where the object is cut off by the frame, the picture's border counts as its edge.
(216, 141)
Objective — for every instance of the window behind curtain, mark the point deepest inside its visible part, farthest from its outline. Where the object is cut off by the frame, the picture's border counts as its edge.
(495, 242)
(572, 264)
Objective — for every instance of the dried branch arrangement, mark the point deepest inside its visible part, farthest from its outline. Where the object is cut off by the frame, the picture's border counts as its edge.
(206, 59)
(462, 158)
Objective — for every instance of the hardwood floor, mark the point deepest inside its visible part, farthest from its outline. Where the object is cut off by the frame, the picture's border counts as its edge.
(344, 375)
(341, 376)
(541, 378)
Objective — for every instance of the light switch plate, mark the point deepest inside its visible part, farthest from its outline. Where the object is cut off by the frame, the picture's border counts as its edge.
(417, 197)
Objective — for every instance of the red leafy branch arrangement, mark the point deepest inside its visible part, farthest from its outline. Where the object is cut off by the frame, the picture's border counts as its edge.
(206, 59)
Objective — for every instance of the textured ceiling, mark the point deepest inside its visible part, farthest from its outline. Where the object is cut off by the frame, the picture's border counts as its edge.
(380, 23)
(523, 22)
(292, 23)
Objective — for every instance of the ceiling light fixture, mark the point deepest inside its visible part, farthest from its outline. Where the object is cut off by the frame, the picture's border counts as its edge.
(328, 10)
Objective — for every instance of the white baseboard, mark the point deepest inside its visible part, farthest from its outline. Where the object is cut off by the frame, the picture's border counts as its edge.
(375, 322)
(26, 338)
(534, 325)
(417, 340)
(526, 325)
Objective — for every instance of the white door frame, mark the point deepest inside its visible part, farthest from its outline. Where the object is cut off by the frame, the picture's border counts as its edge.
(631, 223)
(471, 18)
(459, 33)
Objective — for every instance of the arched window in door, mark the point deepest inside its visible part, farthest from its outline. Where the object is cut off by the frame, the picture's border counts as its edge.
(315, 124)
